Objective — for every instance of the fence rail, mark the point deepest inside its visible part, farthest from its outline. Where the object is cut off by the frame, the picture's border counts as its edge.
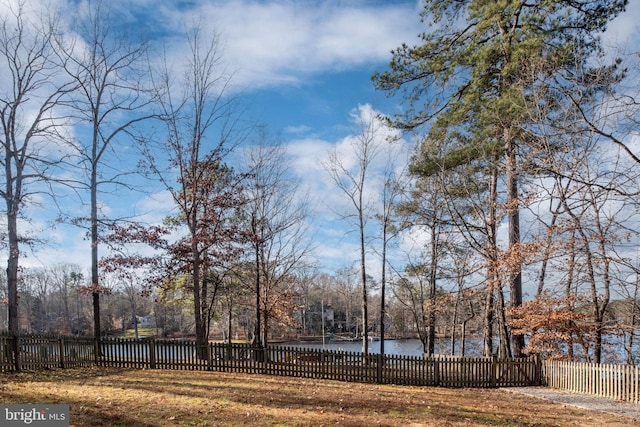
(617, 382)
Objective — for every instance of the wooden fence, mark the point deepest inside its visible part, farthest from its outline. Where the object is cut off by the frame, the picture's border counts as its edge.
(617, 382)
(33, 352)
(45, 352)
(313, 363)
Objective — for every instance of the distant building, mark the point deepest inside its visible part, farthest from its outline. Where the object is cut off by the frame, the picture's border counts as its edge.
(329, 316)
(314, 319)
(146, 321)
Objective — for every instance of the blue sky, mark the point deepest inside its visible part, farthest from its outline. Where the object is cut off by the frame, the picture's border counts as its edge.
(303, 68)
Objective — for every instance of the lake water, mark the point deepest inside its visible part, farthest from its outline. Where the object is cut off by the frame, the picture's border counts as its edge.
(613, 348)
(408, 347)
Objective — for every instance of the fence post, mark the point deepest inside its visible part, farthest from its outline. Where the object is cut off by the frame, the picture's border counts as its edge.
(15, 348)
(494, 371)
(61, 351)
(152, 353)
(258, 355)
(96, 351)
(5, 356)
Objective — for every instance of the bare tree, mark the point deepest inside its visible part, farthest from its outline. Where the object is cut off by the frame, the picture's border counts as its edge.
(351, 180)
(596, 218)
(425, 211)
(346, 296)
(133, 283)
(37, 281)
(394, 181)
(30, 101)
(591, 192)
(110, 100)
(67, 279)
(278, 233)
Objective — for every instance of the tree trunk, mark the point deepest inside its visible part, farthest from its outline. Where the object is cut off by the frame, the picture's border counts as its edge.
(491, 259)
(201, 339)
(505, 349)
(382, 291)
(488, 323)
(255, 340)
(606, 283)
(229, 320)
(12, 268)
(363, 277)
(568, 290)
(204, 307)
(95, 280)
(546, 253)
(431, 325)
(265, 328)
(513, 211)
(454, 321)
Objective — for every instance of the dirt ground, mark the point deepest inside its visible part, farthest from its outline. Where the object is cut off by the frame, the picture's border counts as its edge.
(124, 397)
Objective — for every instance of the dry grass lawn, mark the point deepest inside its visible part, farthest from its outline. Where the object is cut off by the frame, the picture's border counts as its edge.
(123, 397)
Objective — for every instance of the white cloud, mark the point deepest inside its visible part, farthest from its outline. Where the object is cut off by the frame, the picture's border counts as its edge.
(301, 129)
(337, 237)
(62, 244)
(311, 155)
(276, 42)
(624, 28)
(155, 208)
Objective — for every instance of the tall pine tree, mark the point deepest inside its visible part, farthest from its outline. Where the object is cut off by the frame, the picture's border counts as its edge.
(470, 83)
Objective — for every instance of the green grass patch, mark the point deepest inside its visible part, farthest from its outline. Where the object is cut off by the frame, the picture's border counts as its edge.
(142, 333)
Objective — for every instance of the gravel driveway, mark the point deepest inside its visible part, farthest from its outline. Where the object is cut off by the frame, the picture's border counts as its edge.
(581, 400)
